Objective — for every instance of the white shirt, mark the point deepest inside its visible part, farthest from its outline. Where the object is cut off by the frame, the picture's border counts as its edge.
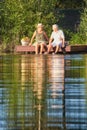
(57, 36)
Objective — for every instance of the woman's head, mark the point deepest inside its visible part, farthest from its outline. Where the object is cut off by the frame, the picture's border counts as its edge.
(40, 26)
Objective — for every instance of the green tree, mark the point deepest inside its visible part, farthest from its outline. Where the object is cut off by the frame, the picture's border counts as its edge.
(70, 4)
(11, 21)
(19, 17)
(81, 36)
(83, 24)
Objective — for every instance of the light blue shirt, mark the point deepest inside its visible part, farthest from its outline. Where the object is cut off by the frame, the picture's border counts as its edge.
(57, 36)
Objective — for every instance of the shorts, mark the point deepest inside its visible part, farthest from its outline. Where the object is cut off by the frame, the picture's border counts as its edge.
(54, 44)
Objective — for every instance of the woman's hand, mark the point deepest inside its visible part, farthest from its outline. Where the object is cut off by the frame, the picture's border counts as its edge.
(30, 44)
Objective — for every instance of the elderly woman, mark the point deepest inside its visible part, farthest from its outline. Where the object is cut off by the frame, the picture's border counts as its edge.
(41, 38)
(57, 39)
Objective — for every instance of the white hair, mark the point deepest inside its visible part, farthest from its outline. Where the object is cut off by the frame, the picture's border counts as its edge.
(55, 26)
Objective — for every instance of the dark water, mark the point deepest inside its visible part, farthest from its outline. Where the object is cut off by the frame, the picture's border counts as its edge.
(43, 92)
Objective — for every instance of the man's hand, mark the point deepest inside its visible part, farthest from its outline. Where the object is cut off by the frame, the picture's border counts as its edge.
(63, 46)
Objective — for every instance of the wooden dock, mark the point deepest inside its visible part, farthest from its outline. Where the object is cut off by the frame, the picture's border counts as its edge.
(68, 49)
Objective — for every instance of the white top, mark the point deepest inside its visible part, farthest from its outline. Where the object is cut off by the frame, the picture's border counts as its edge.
(57, 36)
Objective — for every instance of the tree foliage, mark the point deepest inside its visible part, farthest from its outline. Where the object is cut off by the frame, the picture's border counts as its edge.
(83, 24)
(70, 4)
(81, 35)
(19, 17)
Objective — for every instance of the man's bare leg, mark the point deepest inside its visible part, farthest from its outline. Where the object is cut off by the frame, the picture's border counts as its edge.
(49, 48)
(57, 49)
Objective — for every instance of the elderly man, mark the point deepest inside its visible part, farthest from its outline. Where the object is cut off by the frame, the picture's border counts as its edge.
(57, 39)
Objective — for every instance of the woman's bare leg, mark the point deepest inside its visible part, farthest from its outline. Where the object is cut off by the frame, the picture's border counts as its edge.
(36, 48)
(41, 49)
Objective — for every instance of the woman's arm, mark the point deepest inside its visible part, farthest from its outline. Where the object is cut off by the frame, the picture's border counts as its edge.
(46, 36)
(34, 34)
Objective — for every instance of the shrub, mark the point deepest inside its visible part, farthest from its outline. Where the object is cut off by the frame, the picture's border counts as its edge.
(81, 36)
(83, 24)
(76, 39)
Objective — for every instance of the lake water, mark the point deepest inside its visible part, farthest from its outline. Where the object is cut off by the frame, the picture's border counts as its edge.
(43, 92)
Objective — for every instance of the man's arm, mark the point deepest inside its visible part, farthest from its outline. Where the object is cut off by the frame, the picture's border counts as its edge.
(62, 38)
(63, 42)
(51, 39)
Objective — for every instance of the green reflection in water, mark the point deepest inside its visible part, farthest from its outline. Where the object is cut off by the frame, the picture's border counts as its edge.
(43, 92)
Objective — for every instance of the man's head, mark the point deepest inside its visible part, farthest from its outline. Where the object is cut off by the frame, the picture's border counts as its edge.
(55, 27)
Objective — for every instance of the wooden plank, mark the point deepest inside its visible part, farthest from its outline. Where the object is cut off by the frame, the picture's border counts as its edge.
(20, 48)
(69, 48)
(79, 48)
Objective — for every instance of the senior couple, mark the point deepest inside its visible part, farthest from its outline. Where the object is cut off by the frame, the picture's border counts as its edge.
(56, 39)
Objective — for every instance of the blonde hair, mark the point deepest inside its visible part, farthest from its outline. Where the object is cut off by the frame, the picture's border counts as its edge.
(40, 25)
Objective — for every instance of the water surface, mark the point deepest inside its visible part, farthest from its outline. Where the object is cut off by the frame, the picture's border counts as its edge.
(43, 92)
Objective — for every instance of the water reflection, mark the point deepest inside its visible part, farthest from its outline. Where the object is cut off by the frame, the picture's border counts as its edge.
(36, 68)
(55, 101)
(43, 92)
(39, 79)
(75, 89)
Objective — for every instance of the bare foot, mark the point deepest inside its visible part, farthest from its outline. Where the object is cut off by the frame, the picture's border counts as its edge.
(46, 53)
